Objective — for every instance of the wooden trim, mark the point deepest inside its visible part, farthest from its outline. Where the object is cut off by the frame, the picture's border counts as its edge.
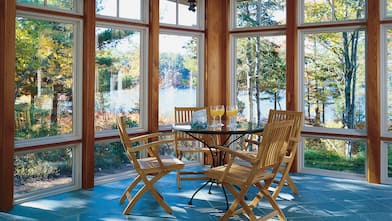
(88, 139)
(292, 63)
(153, 67)
(7, 88)
(216, 45)
(373, 93)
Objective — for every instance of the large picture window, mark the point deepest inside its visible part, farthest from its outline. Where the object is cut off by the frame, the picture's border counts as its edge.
(120, 87)
(180, 73)
(260, 75)
(46, 94)
(334, 79)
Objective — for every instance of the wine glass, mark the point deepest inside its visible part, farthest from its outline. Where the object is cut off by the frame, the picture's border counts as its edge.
(220, 111)
(214, 114)
(231, 112)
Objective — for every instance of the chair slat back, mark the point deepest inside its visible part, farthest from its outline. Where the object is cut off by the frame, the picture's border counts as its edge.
(133, 146)
(297, 117)
(127, 145)
(274, 144)
(183, 115)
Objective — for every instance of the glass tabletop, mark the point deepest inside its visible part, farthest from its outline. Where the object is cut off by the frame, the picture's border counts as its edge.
(239, 128)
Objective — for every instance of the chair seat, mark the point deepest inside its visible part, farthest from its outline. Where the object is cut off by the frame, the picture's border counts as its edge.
(238, 174)
(151, 164)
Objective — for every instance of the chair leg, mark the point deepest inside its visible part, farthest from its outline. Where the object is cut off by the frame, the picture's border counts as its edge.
(273, 204)
(292, 185)
(133, 201)
(178, 179)
(129, 189)
(284, 178)
(148, 185)
(239, 199)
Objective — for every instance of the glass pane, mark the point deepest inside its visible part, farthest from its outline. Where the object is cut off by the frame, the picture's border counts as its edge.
(178, 74)
(186, 16)
(389, 7)
(118, 77)
(260, 76)
(110, 158)
(106, 7)
(56, 4)
(257, 13)
(334, 80)
(167, 11)
(44, 78)
(130, 9)
(388, 74)
(389, 160)
(42, 170)
(332, 11)
(336, 155)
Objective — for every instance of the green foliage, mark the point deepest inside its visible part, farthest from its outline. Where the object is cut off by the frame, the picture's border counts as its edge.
(129, 81)
(109, 156)
(330, 160)
(40, 166)
(255, 13)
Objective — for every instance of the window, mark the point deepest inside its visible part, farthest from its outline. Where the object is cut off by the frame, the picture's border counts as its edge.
(386, 162)
(256, 13)
(44, 171)
(120, 79)
(386, 5)
(334, 79)
(68, 5)
(332, 85)
(259, 76)
(180, 73)
(46, 97)
(386, 82)
(122, 9)
(316, 11)
(181, 13)
(336, 155)
(258, 58)
(111, 161)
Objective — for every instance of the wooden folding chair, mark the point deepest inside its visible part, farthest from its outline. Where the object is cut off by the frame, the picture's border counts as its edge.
(238, 178)
(186, 144)
(149, 169)
(295, 138)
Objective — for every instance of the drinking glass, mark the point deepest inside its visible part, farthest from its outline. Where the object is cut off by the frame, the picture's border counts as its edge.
(231, 112)
(220, 111)
(214, 114)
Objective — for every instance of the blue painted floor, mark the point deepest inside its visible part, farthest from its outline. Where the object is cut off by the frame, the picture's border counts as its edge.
(320, 198)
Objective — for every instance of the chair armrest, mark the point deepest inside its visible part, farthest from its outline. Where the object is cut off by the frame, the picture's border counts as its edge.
(150, 145)
(243, 156)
